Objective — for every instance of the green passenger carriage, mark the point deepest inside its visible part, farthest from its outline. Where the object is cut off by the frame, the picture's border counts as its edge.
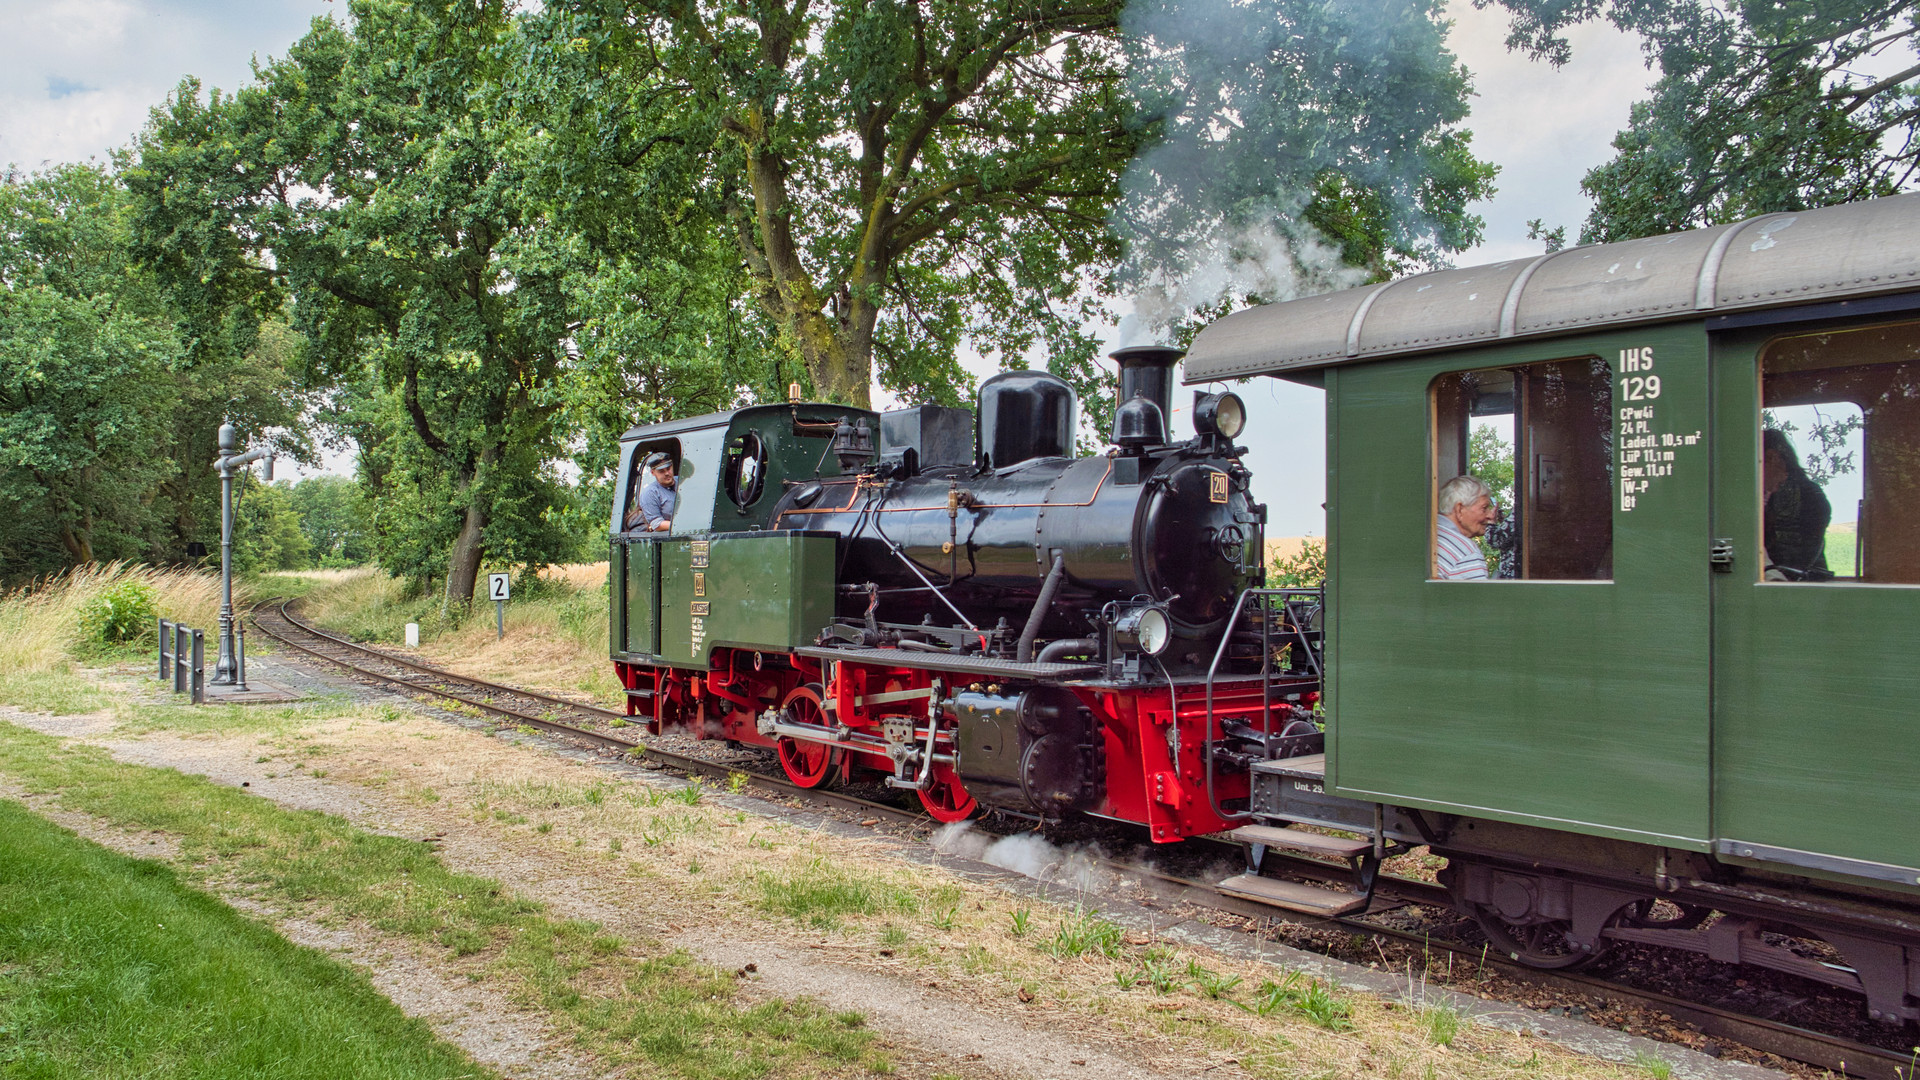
(1645, 706)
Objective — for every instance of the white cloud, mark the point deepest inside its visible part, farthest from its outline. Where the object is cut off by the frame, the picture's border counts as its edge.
(77, 77)
(1544, 127)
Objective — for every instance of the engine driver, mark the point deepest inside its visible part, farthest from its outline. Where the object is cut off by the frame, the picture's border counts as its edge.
(660, 499)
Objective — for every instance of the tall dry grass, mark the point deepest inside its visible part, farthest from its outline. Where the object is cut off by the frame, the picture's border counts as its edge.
(40, 623)
(556, 628)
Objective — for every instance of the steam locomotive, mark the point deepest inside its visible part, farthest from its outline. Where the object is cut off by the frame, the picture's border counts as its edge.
(954, 604)
(1647, 732)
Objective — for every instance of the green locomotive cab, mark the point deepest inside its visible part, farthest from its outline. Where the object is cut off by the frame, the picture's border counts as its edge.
(716, 575)
(1684, 671)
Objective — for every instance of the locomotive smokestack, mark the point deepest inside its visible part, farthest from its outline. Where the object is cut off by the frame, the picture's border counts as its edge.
(1147, 370)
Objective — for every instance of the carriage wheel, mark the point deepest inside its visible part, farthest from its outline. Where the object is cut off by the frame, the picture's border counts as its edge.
(808, 764)
(1661, 915)
(945, 799)
(1546, 944)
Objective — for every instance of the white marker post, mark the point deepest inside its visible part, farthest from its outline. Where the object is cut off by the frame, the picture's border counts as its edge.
(499, 588)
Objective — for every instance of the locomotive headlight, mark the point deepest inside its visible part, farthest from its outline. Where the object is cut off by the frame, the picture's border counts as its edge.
(1223, 413)
(1145, 628)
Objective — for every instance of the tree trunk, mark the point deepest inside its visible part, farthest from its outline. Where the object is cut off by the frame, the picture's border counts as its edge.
(463, 566)
(78, 544)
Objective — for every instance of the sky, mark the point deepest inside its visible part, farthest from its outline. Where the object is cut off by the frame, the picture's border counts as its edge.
(77, 78)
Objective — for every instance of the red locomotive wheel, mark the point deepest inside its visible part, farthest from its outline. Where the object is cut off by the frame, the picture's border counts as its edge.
(946, 800)
(808, 764)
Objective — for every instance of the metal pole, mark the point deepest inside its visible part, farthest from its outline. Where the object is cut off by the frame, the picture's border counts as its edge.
(223, 668)
(199, 667)
(163, 648)
(500, 619)
(182, 642)
(240, 657)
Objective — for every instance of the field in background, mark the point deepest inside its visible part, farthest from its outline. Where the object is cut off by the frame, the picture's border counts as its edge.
(1287, 547)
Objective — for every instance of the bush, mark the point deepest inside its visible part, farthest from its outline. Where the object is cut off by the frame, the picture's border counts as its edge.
(1304, 568)
(120, 613)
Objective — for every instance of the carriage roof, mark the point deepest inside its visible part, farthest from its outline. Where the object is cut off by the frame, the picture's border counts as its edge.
(1773, 260)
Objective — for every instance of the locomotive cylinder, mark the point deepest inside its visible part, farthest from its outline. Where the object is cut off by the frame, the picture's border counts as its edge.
(1036, 748)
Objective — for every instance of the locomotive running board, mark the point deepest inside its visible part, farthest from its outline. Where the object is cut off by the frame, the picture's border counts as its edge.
(1293, 896)
(966, 665)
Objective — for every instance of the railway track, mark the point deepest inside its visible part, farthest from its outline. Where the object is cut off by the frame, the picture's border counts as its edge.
(549, 713)
(533, 709)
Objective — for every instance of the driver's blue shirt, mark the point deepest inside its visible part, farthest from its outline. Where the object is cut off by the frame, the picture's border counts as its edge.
(658, 501)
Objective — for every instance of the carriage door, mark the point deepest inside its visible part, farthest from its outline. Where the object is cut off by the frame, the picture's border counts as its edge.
(1816, 594)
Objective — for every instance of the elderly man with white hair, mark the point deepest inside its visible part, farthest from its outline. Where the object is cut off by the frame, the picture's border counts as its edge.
(1466, 511)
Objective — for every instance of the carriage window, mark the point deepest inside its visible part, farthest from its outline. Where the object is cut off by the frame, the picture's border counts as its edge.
(1538, 439)
(1839, 453)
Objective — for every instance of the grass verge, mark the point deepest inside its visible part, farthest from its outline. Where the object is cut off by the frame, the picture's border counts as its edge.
(114, 967)
(624, 1002)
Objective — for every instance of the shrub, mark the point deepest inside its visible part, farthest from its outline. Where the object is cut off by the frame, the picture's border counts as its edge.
(1306, 567)
(117, 614)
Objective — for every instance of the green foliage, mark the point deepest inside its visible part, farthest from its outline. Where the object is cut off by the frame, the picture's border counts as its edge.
(635, 1009)
(1760, 106)
(821, 895)
(893, 179)
(120, 613)
(1490, 458)
(1081, 932)
(84, 351)
(897, 183)
(1442, 1021)
(428, 284)
(1293, 146)
(335, 518)
(1304, 568)
(107, 416)
(267, 534)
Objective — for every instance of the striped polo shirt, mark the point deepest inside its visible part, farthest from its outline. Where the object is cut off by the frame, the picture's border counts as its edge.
(1455, 556)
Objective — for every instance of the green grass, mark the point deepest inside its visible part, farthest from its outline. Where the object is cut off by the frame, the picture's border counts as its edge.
(1442, 1021)
(114, 967)
(60, 692)
(821, 894)
(629, 1003)
(1840, 542)
(234, 719)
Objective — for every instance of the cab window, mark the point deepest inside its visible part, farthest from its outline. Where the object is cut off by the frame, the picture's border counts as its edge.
(632, 519)
(1539, 437)
(1839, 456)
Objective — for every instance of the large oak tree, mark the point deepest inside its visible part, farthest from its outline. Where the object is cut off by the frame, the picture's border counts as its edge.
(365, 176)
(1761, 106)
(901, 178)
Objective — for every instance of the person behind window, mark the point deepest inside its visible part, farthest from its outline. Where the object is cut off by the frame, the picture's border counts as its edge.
(659, 500)
(1466, 510)
(1797, 511)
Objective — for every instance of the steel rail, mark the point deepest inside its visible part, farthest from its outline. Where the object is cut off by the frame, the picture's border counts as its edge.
(629, 747)
(1818, 1049)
